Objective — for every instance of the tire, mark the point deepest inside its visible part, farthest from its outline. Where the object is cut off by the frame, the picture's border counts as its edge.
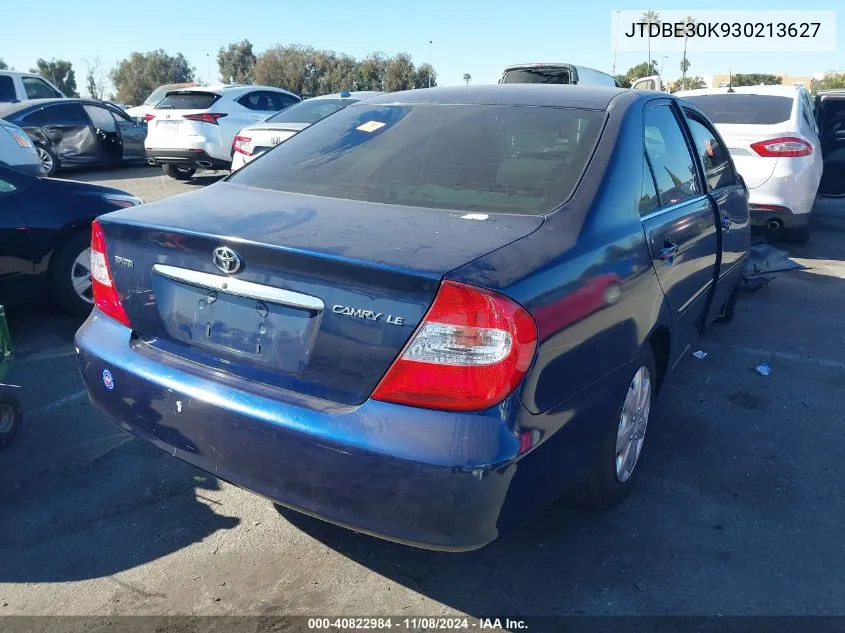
(177, 172)
(49, 160)
(605, 486)
(11, 418)
(798, 235)
(69, 264)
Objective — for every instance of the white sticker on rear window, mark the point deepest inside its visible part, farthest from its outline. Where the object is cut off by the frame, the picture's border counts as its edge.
(371, 126)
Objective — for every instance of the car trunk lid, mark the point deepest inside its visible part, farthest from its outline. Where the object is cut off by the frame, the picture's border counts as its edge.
(327, 293)
(754, 169)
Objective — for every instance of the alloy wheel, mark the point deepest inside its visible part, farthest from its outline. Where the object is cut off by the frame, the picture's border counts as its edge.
(80, 276)
(46, 159)
(632, 424)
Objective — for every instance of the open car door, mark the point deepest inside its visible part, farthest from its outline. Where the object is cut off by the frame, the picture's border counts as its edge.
(830, 113)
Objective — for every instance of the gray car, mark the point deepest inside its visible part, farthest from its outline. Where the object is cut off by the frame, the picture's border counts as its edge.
(17, 151)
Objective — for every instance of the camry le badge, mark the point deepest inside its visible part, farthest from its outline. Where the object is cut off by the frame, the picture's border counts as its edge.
(358, 313)
(226, 260)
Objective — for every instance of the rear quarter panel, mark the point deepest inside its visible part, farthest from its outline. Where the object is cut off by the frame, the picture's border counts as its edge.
(595, 237)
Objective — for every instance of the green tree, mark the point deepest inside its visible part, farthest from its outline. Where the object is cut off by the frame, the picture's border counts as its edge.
(400, 73)
(622, 80)
(237, 63)
(60, 73)
(688, 21)
(3, 65)
(467, 78)
(338, 72)
(139, 74)
(755, 79)
(371, 72)
(648, 18)
(285, 67)
(687, 83)
(832, 81)
(426, 76)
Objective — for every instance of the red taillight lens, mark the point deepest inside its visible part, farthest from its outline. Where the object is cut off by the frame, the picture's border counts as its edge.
(105, 294)
(149, 117)
(469, 352)
(206, 117)
(240, 144)
(784, 146)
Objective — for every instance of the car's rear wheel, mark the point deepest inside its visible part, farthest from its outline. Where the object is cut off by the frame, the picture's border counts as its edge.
(178, 172)
(610, 480)
(71, 276)
(49, 161)
(11, 418)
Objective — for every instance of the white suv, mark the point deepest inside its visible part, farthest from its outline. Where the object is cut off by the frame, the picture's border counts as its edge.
(193, 128)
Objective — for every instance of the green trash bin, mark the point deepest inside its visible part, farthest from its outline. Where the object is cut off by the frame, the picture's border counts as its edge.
(11, 416)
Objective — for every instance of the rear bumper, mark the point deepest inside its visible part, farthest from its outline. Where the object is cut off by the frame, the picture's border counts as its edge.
(762, 217)
(426, 478)
(198, 158)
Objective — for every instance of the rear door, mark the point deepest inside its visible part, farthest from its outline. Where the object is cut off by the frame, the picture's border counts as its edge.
(730, 197)
(71, 133)
(831, 116)
(108, 137)
(679, 219)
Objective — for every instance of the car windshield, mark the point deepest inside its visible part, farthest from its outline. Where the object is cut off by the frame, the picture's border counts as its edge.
(508, 159)
(560, 75)
(744, 109)
(310, 110)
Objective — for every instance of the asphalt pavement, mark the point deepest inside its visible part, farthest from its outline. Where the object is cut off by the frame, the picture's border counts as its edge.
(738, 508)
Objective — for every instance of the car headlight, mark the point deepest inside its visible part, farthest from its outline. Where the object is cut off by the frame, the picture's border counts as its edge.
(123, 201)
(20, 137)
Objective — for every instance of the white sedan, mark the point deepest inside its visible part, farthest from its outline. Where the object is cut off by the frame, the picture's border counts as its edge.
(772, 135)
(256, 139)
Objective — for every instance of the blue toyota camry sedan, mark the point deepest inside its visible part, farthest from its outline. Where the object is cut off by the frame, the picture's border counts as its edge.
(429, 315)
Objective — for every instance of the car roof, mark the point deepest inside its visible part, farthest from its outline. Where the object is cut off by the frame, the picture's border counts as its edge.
(355, 94)
(783, 91)
(586, 97)
(222, 89)
(18, 73)
(13, 108)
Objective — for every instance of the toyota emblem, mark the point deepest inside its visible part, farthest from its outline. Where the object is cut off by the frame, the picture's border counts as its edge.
(227, 260)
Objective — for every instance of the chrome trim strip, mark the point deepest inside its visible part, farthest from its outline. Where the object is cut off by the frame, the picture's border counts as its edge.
(240, 287)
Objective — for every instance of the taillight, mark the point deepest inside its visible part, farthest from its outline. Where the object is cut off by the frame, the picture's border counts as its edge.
(240, 145)
(784, 146)
(470, 352)
(149, 117)
(205, 117)
(102, 282)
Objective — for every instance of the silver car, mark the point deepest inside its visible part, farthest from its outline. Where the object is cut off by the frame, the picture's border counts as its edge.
(17, 151)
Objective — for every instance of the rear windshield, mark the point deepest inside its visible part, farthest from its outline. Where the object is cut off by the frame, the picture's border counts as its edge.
(537, 76)
(508, 159)
(188, 101)
(310, 111)
(744, 109)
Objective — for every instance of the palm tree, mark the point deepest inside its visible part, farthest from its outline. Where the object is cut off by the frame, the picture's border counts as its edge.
(650, 17)
(684, 63)
(467, 78)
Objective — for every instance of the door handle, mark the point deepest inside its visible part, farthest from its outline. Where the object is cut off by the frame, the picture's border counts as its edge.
(668, 251)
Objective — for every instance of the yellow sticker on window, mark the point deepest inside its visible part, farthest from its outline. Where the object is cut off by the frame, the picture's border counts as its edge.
(371, 126)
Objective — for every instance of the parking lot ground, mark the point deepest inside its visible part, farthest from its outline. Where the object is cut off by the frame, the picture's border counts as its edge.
(738, 508)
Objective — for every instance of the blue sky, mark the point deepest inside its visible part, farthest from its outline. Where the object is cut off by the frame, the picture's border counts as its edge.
(478, 37)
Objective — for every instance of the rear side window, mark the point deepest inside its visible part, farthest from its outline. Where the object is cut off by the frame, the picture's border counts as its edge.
(33, 119)
(506, 159)
(537, 76)
(188, 101)
(38, 89)
(262, 100)
(673, 165)
(744, 109)
(648, 193)
(718, 169)
(65, 114)
(7, 89)
(101, 118)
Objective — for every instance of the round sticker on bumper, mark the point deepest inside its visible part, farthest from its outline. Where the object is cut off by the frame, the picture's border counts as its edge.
(108, 379)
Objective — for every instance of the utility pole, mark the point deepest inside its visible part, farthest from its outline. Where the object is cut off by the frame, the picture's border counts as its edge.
(615, 44)
(429, 63)
(208, 63)
(663, 61)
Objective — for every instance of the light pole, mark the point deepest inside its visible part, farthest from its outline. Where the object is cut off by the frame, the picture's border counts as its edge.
(663, 61)
(429, 63)
(208, 63)
(615, 43)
